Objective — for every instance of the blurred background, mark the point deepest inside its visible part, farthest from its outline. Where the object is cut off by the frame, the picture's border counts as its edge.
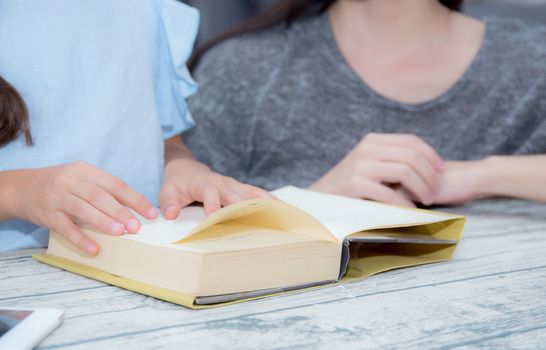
(219, 15)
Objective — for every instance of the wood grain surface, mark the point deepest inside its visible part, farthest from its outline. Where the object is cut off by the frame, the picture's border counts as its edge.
(491, 295)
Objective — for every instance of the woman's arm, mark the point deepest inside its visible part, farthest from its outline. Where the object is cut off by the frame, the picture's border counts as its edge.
(497, 176)
(186, 181)
(401, 169)
(391, 168)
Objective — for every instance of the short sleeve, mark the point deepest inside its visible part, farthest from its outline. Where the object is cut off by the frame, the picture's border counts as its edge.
(178, 26)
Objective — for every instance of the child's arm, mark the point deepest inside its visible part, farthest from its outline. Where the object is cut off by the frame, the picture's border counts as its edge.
(60, 197)
(187, 181)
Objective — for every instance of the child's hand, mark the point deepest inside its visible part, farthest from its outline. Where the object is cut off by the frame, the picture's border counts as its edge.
(58, 197)
(187, 181)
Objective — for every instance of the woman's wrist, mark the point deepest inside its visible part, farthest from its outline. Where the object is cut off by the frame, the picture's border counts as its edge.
(514, 176)
(492, 175)
(478, 177)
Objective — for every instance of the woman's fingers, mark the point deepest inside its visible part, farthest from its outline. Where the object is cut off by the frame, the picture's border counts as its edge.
(106, 203)
(74, 235)
(415, 159)
(403, 192)
(399, 173)
(400, 159)
(382, 193)
(407, 141)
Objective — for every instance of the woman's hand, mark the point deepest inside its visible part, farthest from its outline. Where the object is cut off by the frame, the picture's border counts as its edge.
(186, 181)
(391, 168)
(461, 182)
(60, 197)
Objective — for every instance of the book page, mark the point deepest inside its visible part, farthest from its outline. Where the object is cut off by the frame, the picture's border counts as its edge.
(233, 236)
(343, 216)
(261, 214)
(163, 231)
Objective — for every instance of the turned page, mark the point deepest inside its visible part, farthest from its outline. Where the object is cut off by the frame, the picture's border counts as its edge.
(343, 216)
(163, 231)
(250, 215)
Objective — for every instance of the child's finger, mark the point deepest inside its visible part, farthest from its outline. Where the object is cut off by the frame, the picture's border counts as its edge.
(211, 199)
(125, 194)
(255, 192)
(245, 191)
(230, 197)
(169, 202)
(105, 202)
(74, 235)
(90, 215)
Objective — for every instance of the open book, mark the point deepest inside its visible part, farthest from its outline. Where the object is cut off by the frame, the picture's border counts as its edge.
(261, 247)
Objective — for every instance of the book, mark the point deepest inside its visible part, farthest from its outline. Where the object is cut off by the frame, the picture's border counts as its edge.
(257, 248)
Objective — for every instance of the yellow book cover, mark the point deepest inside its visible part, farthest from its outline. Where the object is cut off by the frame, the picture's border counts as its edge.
(260, 248)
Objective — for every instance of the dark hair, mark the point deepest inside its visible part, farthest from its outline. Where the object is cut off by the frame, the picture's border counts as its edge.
(282, 12)
(13, 115)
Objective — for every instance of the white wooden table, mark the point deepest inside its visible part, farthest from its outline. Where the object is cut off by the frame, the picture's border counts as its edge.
(491, 295)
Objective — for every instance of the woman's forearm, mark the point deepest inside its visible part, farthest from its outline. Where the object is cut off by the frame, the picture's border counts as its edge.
(513, 176)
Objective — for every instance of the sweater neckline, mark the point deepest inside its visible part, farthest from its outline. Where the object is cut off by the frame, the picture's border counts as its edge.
(339, 62)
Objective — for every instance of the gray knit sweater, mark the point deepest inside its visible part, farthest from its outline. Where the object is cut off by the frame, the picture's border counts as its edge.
(283, 106)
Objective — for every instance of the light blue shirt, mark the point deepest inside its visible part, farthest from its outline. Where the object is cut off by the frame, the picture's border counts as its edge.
(104, 81)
